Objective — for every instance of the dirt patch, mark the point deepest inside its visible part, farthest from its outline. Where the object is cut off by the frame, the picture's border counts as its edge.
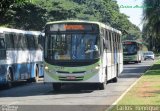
(147, 89)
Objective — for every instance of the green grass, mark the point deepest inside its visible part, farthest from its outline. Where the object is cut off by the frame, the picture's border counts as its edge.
(146, 91)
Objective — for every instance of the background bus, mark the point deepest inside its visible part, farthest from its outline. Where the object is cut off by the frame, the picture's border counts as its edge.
(81, 52)
(20, 56)
(132, 51)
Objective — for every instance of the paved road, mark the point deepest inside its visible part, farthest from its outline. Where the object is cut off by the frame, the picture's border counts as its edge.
(81, 95)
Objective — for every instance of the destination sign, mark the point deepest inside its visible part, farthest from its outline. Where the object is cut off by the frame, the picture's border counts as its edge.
(73, 27)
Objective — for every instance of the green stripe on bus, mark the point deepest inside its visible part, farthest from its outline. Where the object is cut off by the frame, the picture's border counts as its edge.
(89, 69)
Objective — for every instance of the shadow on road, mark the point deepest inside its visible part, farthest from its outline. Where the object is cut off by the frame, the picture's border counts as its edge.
(37, 89)
(139, 69)
(134, 72)
(75, 89)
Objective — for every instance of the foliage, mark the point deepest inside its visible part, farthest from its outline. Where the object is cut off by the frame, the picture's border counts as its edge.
(151, 16)
(151, 27)
(33, 18)
(34, 15)
(5, 5)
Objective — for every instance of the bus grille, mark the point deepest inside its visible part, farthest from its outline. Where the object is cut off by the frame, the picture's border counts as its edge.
(65, 72)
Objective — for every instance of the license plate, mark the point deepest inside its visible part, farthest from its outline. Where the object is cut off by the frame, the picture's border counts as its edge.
(71, 77)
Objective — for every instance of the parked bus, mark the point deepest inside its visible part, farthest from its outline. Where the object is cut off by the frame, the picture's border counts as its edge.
(81, 52)
(132, 51)
(21, 56)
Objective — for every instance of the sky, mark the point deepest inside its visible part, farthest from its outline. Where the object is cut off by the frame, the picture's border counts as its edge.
(133, 9)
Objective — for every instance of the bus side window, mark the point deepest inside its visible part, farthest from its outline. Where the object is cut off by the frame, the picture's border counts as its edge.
(41, 42)
(115, 43)
(16, 41)
(116, 36)
(118, 43)
(113, 38)
(2, 44)
(108, 41)
(9, 40)
(30, 42)
(19, 41)
(111, 42)
(105, 42)
(23, 42)
(36, 41)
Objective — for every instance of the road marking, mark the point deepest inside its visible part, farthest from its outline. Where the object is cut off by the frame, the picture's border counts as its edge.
(123, 94)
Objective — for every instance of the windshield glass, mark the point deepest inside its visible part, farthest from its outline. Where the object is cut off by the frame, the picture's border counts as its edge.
(72, 47)
(148, 53)
(129, 49)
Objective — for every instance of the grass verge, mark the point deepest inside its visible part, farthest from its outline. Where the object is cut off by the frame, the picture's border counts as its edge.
(145, 92)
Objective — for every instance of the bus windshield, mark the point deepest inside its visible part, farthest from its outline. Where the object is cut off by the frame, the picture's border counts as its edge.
(129, 49)
(72, 47)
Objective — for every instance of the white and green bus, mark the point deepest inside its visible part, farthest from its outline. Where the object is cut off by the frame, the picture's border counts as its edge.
(132, 51)
(82, 52)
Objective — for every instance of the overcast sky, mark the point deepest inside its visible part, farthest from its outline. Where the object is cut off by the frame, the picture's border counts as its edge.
(133, 9)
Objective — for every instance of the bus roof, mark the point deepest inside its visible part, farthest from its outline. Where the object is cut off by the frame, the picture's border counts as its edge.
(4, 29)
(133, 41)
(33, 32)
(83, 21)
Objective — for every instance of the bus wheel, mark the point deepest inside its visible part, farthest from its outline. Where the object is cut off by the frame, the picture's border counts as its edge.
(136, 61)
(9, 78)
(37, 75)
(101, 86)
(56, 86)
(115, 79)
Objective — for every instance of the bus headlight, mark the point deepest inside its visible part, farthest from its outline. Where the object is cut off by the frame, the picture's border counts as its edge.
(46, 67)
(97, 67)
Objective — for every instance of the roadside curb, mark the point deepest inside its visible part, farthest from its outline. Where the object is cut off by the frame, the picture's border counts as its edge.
(108, 109)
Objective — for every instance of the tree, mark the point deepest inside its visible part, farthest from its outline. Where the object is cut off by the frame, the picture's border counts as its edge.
(5, 5)
(59, 9)
(151, 20)
(34, 14)
(29, 17)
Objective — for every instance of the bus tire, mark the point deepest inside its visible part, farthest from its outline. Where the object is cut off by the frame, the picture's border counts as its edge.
(115, 79)
(9, 78)
(56, 86)
(101, 86)
(136, 62)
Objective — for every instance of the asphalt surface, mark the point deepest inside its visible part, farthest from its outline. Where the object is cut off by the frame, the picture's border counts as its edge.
(86, 97)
